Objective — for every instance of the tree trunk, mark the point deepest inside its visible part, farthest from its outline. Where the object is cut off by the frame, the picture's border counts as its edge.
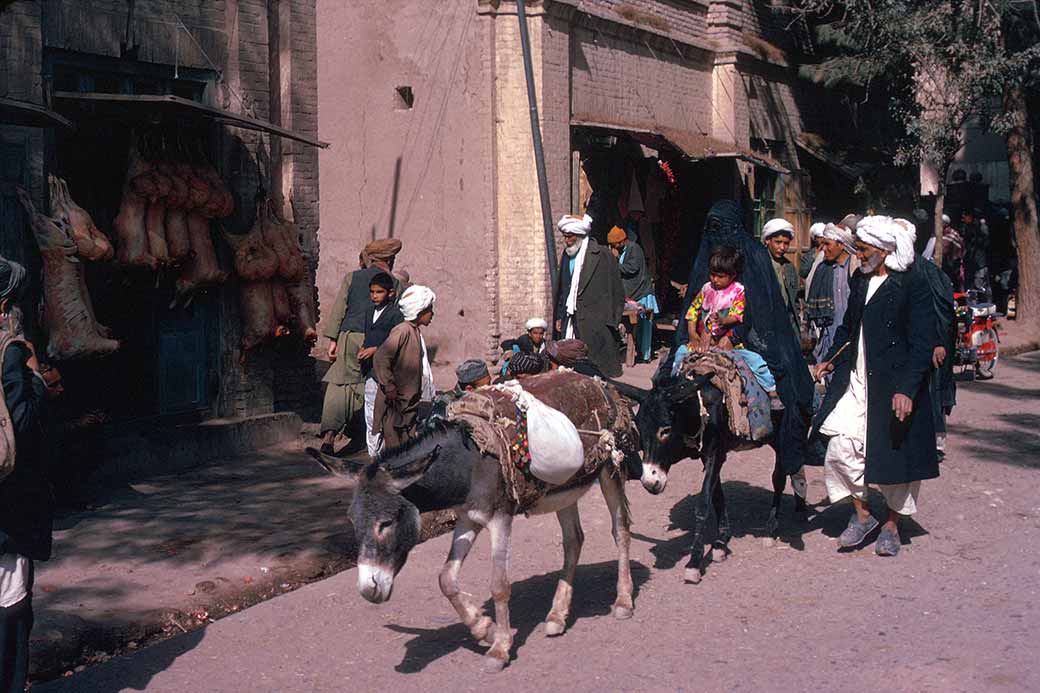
(1023, 206)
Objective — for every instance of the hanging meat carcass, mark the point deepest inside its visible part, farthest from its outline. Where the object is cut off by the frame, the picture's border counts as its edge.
(201, 269)
(67, 312)
(129, 224)
(175, 224)
(283, 314)
(259, 322)
(254, 259)
(90, 242)
(282, 236)
(220, 203)
(301, 302)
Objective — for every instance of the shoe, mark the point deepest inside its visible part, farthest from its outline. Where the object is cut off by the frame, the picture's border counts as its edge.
(856, 533)
(888, 543)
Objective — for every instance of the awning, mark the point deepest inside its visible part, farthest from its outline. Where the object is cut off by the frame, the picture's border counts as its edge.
(692, 146)
(156, 107)
(26, 113)
(817, 147)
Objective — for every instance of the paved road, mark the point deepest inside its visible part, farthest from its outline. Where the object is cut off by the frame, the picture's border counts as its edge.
(957, 610)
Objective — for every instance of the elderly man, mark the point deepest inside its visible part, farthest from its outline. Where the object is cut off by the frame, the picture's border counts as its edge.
(827, 296)
(777, 234)
(401, 367)
(812, 257)
(878, 412)
(635, 279)
(590, 298)
(345, 330)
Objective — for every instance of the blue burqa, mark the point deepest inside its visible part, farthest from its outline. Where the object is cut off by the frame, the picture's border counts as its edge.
(766, 328)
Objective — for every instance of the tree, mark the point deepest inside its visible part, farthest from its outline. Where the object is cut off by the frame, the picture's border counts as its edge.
(971, 60)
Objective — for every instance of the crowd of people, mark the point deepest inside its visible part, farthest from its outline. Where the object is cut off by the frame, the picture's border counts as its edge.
(868, 319)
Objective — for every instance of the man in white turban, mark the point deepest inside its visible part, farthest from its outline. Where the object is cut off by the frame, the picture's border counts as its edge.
(401, 367)
(827, 291)
(778, 234)
(877, 413)
(589, 295)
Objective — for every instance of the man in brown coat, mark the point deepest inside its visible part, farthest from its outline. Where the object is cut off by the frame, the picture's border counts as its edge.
(401, 367)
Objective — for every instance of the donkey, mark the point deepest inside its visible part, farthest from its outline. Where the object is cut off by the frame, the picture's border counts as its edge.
(687, 418)
(441, 469)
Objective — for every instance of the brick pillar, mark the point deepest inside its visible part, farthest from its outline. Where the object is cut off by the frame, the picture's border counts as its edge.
(523, 285)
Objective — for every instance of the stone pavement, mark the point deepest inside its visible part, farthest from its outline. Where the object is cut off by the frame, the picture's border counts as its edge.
(958, 610)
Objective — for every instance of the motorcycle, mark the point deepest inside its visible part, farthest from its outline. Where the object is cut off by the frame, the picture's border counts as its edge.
(978, 344)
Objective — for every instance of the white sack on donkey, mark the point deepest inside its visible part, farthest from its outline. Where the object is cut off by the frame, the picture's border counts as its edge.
(553, 441)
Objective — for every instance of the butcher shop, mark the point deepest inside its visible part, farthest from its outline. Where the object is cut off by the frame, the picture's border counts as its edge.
(158, 178)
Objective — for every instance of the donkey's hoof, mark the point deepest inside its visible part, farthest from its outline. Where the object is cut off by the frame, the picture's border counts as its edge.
(554, 626)
(483, 630)
(493, 664)
(718, 555)
(622, 613)
(692, 576)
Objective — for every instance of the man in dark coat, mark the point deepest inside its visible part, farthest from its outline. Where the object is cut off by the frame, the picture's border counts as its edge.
(25, 496)
(766, 328)
(878, 410)
(589, 298)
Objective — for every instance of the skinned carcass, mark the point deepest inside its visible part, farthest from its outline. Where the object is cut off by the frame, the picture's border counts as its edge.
(259, 321)
(68, 314)
(301, 301)
(283, 314)
(129, 224)
(90, 242)
(282, 236)
(221, 202)
(175, 224)
(254, 259)
(201, 269)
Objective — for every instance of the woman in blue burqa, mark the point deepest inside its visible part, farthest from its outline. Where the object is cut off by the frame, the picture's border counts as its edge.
(766, 327)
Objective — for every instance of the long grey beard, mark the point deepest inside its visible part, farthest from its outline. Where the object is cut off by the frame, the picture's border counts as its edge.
(874, 263)
(572, 250)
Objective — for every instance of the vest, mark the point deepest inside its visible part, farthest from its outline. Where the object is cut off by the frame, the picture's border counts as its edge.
(358, 301)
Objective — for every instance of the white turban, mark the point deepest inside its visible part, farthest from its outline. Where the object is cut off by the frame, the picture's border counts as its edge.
(575, 226)
(841, 235)
(535, 323)
(886, 234)
(945, 219)
(416, 299)
(816, 230)
(775, 226)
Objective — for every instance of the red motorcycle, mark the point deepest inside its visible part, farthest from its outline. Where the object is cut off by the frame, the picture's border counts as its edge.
(978, 345)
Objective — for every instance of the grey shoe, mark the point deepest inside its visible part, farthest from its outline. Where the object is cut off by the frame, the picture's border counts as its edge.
(888, 543)
(857, 532)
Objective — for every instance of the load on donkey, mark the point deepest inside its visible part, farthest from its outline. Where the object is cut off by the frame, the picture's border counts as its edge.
(478, 460)
(694, 414)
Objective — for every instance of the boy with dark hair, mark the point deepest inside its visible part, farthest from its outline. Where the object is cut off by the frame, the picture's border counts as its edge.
(380, 318)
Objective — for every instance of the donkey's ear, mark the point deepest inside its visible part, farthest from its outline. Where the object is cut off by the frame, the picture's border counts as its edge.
(682, 389)
(348, 469)
(403, 476)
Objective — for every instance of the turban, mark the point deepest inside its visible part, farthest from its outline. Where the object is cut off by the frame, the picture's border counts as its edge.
(382, 250)
(469, 372)
(945, 219)
(851, 221)
(415, 300)
(535, 323)
(11, 276)
(816, 230)
(567, 352)
(841, 235)
(575, 226)
(887, 234)
(526, 364)
(616, 235)
(775, 226)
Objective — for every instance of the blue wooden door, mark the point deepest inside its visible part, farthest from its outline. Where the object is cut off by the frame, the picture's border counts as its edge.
(183, 359)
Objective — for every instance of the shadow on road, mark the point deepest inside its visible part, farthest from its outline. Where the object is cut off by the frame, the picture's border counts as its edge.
(594, 592)
(1016, 443)
(133, 673)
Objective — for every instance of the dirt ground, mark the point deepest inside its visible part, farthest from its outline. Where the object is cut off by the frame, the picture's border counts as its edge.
(958, 610)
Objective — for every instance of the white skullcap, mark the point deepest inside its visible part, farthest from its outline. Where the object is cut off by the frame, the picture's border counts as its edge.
(841, 235)
(415, 300)
(816, 230)
(575, 226)
(945, 219)
(775, 226)
(535, 323)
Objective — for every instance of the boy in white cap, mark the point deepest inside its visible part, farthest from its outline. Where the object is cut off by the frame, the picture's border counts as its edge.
(778, 234)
